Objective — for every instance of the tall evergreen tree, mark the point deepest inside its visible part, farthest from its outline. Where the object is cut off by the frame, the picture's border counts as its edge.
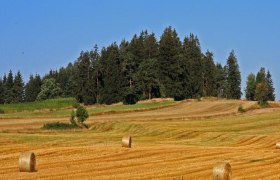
(111, 72)
(18, 88)
(169, 64)
(2, 92)
(193, 55)
(261, 76)
(250, 87)
(33, 88)
(221, 81)
(9, 84)
(270, 94)
(208, 74)
(233, 78)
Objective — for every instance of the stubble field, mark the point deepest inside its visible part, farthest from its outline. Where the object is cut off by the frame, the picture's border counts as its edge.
(179, 141)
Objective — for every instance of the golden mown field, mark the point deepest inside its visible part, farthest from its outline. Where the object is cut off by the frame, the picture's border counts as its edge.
(180, 141)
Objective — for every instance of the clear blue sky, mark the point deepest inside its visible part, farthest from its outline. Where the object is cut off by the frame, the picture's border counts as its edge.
(37, 35)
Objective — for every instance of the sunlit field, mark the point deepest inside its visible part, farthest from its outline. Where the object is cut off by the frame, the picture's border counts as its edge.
(170, 140)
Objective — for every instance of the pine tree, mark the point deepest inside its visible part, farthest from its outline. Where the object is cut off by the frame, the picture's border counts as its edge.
(193, 55)
(270, 94)
(209, 70)
(250, 87)
(9, 83)
(147, 79)
(111, 75)
(169, 64)
(2, 92)
(33, 88)
(233, 78)
(18, 89)
(261, 76)
(221, 81)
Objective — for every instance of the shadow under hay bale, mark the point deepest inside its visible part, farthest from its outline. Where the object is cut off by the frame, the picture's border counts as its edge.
(27, 162)
(278, 145)
(126, 141)
(222, 171)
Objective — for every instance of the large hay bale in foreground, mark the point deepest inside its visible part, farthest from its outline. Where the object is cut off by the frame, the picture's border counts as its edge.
(126, 141)
(278, 145)
(222, 171)
(27, 162)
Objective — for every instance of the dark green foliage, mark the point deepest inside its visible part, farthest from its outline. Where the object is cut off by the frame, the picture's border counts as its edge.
(111, 75)
(18, 89)
(169, 66)
(130, 98)
(261, 76)
(193, 55)
(250, 87)
(2, 92)
(72, 119)
(49, 90)
(81, 114)
(233, 78)
(9, 84)
(33, 88)
(208, 74)
(221, 81)
(270, 93)
(59, 126)
(147, 79)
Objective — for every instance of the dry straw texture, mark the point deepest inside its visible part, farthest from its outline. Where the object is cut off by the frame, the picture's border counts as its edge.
(27, 162)
(278, 145)
(222, 171)
(126, 141)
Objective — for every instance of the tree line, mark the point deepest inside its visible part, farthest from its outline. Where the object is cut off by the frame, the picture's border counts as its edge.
(142, 68)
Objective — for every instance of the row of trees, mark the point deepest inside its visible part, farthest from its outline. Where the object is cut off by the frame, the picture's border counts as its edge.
(260, 87)
(142, 68)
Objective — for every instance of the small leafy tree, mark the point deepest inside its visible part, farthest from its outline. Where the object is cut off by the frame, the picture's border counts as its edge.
(81, 114)
(50, 89)
(261, 93)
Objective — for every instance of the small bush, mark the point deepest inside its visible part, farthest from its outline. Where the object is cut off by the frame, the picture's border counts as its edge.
(59, 125)
(2, 111)
(241, 109)
(81, 114)
(72, 119)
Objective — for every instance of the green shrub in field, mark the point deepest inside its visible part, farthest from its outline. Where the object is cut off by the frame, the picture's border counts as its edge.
(81, 114)
(241, 109)
(72, 119)
(59, 126)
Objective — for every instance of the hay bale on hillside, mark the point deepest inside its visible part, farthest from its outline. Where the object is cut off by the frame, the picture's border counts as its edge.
(278, 145)
(126, 141)
(222, 171)
(27, 162)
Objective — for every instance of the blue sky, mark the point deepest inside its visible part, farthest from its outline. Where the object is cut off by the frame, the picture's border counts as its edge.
(36, 36)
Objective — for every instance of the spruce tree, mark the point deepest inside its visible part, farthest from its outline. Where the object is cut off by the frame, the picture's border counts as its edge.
(261, 76)
(2, 92)
(169, 64)
(111, 72)
(9, 84)
(18, 89)
(221, 81)
(208, 74)
(233, 78)
(270, 93)
(193, 55)
(33, 88)
(250, 87)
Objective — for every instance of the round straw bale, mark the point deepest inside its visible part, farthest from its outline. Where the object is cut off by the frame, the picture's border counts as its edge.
(126, 141)
(278, 145)
(27, 162)
(222, 171)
